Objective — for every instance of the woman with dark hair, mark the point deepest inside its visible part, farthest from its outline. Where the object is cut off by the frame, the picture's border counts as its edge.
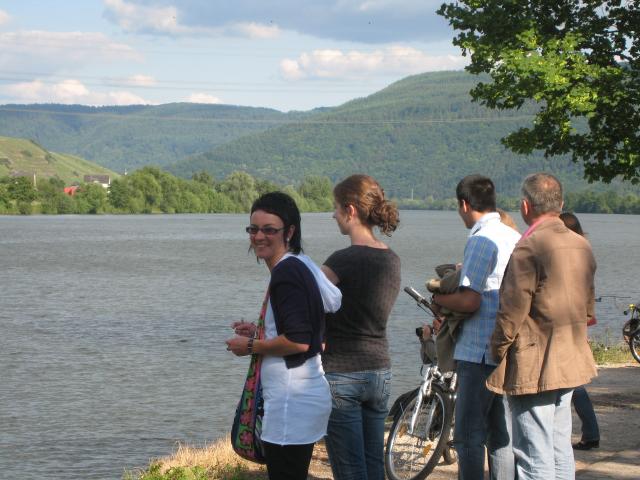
(581, 402)
(296, 394)
(356, 357)
(572, 223)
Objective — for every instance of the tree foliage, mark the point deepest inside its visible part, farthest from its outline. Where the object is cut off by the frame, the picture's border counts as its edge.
(577, 60)
(152, 190)
(20, 188)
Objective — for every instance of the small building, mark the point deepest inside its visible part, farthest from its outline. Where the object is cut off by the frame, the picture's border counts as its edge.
(71, 191)
(104, 180)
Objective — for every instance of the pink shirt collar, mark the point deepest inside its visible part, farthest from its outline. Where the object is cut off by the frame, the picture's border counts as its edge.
(533, 226)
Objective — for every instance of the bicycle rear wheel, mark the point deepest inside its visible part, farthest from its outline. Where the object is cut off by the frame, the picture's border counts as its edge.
(634, 345)
(412, 456)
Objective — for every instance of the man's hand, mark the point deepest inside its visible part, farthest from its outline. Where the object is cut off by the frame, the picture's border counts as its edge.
(437, 323)
(427, 331)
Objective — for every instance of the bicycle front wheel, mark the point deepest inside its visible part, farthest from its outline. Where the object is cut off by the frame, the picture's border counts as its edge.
(413, 456)
(634, 345)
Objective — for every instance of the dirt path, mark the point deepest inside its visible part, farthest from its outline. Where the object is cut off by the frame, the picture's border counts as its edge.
(615, 394)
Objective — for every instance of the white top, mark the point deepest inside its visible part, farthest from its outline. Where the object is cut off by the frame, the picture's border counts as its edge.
(297, 401)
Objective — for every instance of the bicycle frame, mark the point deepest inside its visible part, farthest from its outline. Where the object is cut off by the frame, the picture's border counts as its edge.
(425, 389)
(422, 423)
(432, 371)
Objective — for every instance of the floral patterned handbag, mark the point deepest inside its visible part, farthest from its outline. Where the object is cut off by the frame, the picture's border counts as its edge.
(247, 424)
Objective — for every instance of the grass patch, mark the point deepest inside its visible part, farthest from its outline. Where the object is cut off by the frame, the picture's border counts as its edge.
(605, 354)
(217, 461)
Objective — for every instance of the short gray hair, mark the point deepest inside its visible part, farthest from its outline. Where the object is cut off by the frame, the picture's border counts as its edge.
(543, 191)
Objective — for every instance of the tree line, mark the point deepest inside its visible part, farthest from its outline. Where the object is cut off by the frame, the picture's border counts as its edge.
(578, 202)
(152, 190)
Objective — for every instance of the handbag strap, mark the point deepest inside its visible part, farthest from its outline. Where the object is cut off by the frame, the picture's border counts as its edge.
(261, 318)
(247, 414)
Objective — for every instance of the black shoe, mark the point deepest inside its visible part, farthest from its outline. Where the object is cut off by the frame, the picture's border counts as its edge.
(586, 444)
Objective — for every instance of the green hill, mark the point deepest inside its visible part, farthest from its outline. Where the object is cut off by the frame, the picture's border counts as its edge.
(418, 136)
(18, 155)
(127, 138)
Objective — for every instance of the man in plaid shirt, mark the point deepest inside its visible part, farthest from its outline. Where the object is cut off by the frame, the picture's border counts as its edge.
(481, 417)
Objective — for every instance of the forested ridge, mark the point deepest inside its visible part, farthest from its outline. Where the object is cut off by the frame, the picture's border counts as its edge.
(418, 137)
(127, 138)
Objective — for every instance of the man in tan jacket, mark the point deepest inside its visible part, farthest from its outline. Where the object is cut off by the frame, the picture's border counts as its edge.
(540, 339)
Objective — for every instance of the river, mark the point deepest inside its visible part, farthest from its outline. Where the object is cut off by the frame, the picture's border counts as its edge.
(113, 327)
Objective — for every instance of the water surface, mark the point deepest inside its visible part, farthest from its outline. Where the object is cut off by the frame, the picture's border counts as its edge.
(113, 327)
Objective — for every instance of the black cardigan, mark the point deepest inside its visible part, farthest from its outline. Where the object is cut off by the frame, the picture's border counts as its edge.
(297, 308)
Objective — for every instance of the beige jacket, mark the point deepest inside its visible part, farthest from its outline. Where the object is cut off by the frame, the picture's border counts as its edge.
(540, 339)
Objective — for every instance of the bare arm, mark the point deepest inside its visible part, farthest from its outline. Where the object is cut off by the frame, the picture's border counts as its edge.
(279, 346)
(462, 300)
(331, 275)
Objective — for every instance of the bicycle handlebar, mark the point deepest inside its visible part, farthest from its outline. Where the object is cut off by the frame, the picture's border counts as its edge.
(420, 299)
(414, 293)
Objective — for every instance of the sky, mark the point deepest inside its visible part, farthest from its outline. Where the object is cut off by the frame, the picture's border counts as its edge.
(282, 54)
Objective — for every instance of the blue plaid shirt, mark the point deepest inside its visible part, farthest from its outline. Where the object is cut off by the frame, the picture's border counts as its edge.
(486, 255)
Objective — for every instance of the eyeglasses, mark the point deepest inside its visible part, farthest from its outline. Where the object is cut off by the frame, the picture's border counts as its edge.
(251, 230)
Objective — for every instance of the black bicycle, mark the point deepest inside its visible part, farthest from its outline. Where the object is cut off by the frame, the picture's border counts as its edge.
(631, 330)
(422, 426)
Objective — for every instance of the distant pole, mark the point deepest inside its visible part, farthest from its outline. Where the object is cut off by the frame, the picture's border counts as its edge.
(412, 194)
(35, 186)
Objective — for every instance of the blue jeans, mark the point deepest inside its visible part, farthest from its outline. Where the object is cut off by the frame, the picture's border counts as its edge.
(482, 419)
(542, 435)
(584, 409)
(355, 435)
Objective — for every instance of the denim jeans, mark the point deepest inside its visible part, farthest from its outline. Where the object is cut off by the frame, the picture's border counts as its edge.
(542, 435)
(482, 419)
(355, 435)
(584, 409)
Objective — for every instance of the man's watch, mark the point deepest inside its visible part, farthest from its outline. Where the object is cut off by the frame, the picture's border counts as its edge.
(250, 345)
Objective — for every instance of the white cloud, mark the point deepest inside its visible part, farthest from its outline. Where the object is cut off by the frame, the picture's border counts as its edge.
(203, 98)
(256, 30)
(60, 47)
(4, 17)
(167, 20)
(68, 91)
(140, 81)
(148, 19)
(142, 18)
(395, 60)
